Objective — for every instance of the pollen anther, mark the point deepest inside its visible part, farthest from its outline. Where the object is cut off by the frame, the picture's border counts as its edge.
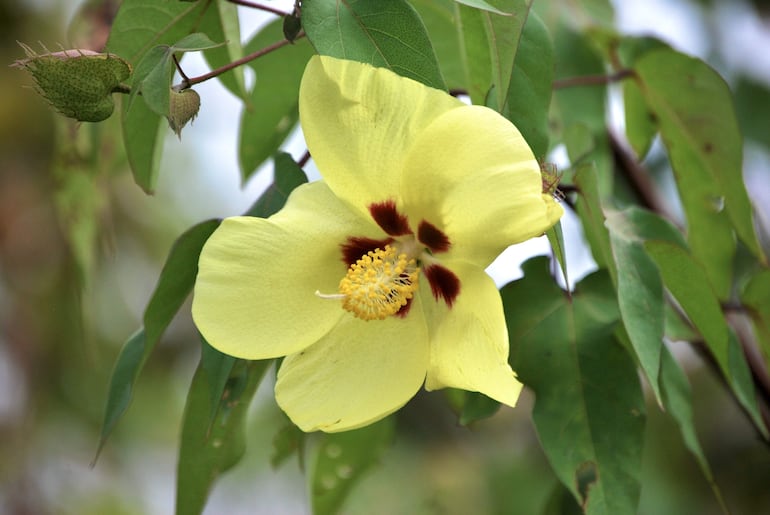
(379, 284)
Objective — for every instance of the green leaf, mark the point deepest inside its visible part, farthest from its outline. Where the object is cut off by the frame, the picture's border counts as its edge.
(221, 24)
(441, 22)
(742, 383)
(207, 450)
(119, 393)
(491, 42)
(217, 367)
(589, 410)
(529, 94)
(176, 279)
(477, 64)
(639, 285)
(143, 135)
(470, 407)
(752, 105)
(687, 281)
(287, 441)
(589, 210)
(139, 26)
(756, 299)
(677, 401)
(640, 122)
(150, 69)
(287, 176)
(561, 502)
(677, 327)
(341, 460)
(194, 42)
(556, 239)
(174, 285)
(600, 11)
(477, 406)
(156, 69)
(143, 24)
(694, 112)
(384, 33)
(273, 102)
(480, 4)
(153, 79)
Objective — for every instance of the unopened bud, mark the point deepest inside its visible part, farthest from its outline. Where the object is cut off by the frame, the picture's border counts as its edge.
(78, 83)
(292, 26)
(183, 106)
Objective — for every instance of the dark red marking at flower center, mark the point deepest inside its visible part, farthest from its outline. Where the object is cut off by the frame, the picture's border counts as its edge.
(443, 283)
(389, 219)
(354, 248)
(433, 237)
(401, 313)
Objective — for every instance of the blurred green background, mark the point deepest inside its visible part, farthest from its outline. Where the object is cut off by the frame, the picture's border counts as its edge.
(81, 247)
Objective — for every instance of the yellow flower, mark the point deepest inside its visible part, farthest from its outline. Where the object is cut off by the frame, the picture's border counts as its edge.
(371, 282)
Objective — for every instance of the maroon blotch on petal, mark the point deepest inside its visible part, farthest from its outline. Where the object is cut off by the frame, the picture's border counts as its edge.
(389, 219)
(433, 237)
(401, 313)
(354, 248)
(443, 283)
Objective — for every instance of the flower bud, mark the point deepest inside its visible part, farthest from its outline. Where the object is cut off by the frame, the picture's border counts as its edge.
(78, 83)
(183, 106)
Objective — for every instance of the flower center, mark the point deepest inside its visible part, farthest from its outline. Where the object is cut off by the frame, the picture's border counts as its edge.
(379, 284)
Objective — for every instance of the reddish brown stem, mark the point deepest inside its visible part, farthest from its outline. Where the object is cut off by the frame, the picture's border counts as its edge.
(592, 80)
(179, 68)
(304, 159)
(186, 83)
(638, 178)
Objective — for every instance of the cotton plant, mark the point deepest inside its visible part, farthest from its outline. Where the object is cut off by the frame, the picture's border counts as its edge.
(431, 125)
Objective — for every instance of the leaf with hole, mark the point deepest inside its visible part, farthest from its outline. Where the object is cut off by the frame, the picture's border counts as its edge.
(694, 112)
(589, 410)
(341, 459)
(210, 447)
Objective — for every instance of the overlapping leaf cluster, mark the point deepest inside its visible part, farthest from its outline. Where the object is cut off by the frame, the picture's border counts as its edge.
(547, 67)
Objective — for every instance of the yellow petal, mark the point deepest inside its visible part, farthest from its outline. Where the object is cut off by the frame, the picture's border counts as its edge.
(469, 341)
(472, 175)
(359, 121)
(554, 211)
(358, 373)
(254, 296)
